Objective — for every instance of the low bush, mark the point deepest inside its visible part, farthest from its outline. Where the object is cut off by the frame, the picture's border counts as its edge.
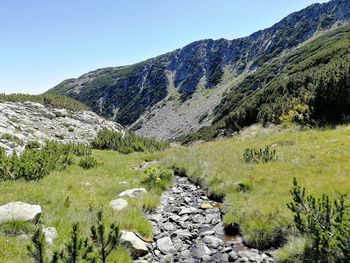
(156, 177)
(326, 223)
(35, 163)
(97, 248)
(110, 140)
(252, 155)
(88, 162)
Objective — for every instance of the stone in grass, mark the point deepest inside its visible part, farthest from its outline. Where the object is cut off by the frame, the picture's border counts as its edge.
(133, 192)
(166, 246)
(137, 247)
(118, 204)
(50, 234)
(20, 211)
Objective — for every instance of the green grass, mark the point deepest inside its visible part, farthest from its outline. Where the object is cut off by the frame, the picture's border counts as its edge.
(256, 194)
(77, 194)
(319, 159)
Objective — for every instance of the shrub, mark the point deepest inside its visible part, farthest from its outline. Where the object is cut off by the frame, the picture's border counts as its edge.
(88, 162)
(156, 177)
(36, 250)
(78, 249)
(265, 155)
(110, 140)
(34, 163)
(326, 223)
(104, 242)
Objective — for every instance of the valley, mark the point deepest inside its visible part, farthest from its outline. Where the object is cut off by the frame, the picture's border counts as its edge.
(219, 151)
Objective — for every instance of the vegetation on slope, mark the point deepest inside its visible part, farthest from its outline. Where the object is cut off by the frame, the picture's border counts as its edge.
(317, 158)
(310, 85)
(35, 163)
(80, 195)
(109, 140)
(56, 101)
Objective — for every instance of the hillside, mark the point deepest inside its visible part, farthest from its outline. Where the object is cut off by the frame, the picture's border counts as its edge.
(24, 120)
(176, 93)
(308, 86)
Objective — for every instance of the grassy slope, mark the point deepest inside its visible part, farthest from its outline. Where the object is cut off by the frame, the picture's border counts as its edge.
(318, 159)
(77, 195)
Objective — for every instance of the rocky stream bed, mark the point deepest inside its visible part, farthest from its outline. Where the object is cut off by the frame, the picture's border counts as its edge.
(188, 228)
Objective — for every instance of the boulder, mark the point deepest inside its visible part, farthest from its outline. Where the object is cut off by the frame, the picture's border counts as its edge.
(20, 211)
(118, 204)
(137, 247)
(50, 234)
(166, 246)
(133, 192)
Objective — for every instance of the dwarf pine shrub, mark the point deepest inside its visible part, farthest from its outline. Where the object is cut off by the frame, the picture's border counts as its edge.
(88, 162)
(326, 223)
(35, 163)
(110, 140)
(252, 155)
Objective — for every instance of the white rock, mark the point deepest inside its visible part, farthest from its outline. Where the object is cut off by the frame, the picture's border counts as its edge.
(118, 204)
(50, 234)
(19, 211)
(133, 192)
(137, 246)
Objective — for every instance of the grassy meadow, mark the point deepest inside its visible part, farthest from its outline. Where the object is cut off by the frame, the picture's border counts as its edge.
(319, 159)
(76, 194)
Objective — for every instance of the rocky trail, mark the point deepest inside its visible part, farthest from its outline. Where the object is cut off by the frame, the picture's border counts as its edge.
(188, 228)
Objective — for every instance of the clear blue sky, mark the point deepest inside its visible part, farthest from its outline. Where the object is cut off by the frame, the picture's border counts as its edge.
(43, 42)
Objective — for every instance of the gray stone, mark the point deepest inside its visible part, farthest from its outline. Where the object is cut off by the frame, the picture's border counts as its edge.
(188, 210)
(166, 246)
(232, 255)
(137, 246)
(133, 192)
(119, 204)
(212, 241)
(19, 211)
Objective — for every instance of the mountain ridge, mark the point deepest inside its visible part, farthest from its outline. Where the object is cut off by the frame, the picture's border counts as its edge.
(128, 94)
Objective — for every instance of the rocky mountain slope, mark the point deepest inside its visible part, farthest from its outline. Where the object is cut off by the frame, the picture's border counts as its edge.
(21, 122)
(177, 92)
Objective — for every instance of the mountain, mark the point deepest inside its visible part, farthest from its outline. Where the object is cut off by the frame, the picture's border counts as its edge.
(180, 92)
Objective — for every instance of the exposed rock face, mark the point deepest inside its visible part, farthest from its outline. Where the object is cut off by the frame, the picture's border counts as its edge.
(119, 204)
(133, 192)
(30, 121)
(184, 232)
(19, 211)
(137, 247)
(149, 96)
